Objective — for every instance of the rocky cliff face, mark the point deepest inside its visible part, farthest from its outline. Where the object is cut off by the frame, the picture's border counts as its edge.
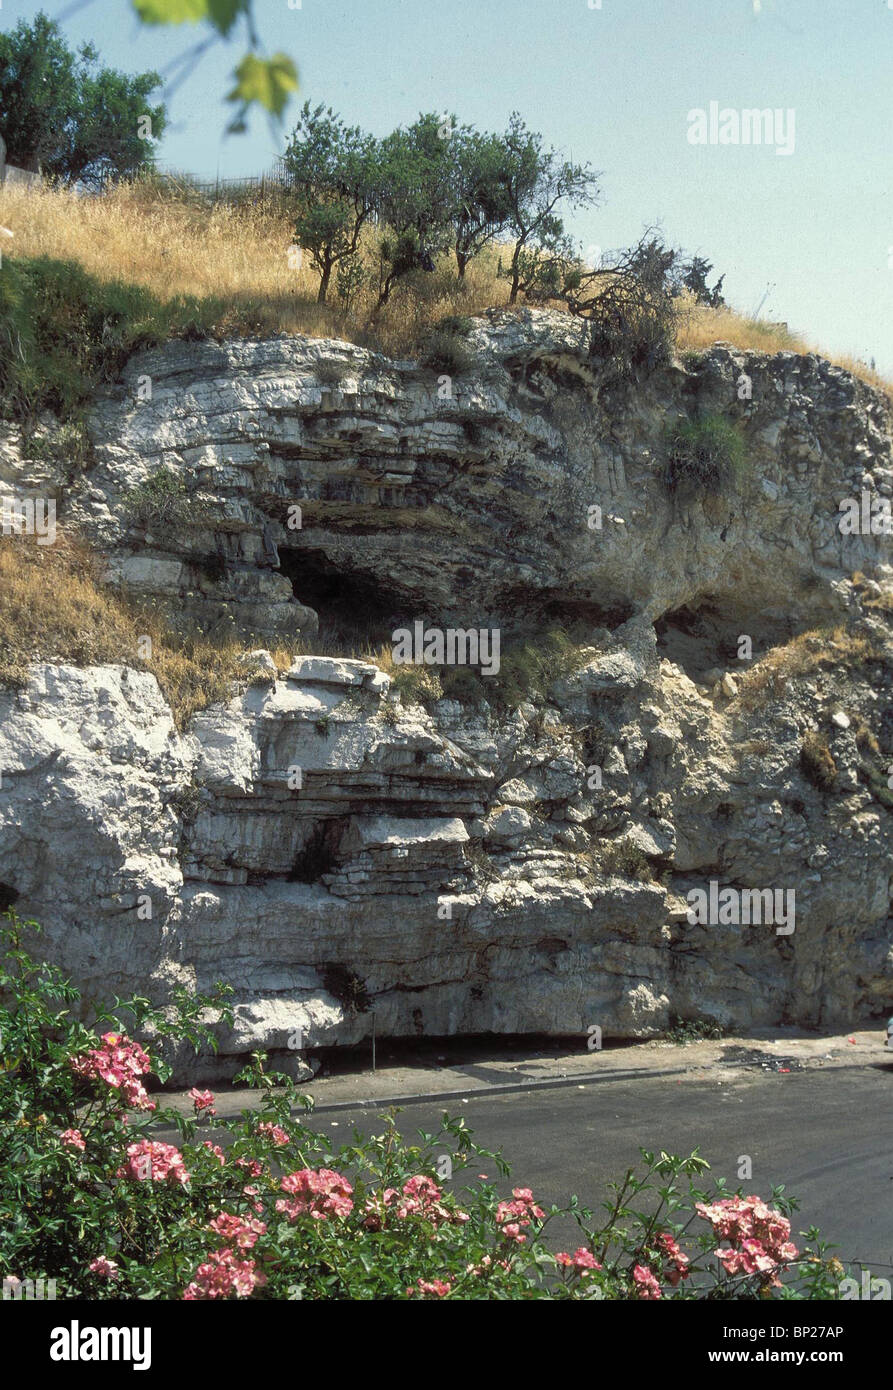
(471, 498)
(466, 868)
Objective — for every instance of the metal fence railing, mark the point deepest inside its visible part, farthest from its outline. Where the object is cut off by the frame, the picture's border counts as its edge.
(218, 189)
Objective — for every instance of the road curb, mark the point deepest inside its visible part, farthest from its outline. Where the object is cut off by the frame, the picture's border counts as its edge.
(548, 1083)
(467, 1093)
(499, 1088)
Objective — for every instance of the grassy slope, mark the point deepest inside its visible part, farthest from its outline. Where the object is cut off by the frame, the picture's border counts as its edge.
(236, 257)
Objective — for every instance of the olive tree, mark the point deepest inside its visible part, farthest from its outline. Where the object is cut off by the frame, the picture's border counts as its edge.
(416, 198)
(63, 113)
(534, 182)
(332, 172)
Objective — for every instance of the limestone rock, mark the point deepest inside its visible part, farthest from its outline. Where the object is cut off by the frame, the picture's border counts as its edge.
(332, 850)
(294, 483)
(506, 825)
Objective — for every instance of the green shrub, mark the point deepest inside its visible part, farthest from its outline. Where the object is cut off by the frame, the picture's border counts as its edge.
(465, 684)
(332, 372)
(528, 668)
(347, 987)
(816, 762)
(705, 457)
(877, 781)
(163, 502)
(689, 1030)
(479, 864)
(459, 324)
(259, 1205)
(416, 685)
(389, 712)
(623, 859)
(448, 354)
(186, 802)
(68, 444)
(63, 332)
(18, 348)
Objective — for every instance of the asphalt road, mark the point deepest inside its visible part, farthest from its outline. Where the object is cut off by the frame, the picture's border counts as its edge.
(826, 1134)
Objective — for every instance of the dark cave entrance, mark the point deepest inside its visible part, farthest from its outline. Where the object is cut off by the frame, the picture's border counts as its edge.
(9, 896)
(354, 609)
(318, 853)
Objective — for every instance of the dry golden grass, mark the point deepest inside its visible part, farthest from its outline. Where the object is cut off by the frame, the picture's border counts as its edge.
(53, 607)
(169, 245)
(881, 602)
(699, 327)
(237, 253)
(865, 736)
(808, 652)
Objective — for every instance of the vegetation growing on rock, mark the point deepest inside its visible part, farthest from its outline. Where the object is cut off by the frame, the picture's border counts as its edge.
(706, 456)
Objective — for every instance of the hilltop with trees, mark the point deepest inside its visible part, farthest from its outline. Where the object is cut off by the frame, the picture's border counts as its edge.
(392, 242)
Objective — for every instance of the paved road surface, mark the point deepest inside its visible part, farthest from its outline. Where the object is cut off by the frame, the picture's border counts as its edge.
(827, 1135)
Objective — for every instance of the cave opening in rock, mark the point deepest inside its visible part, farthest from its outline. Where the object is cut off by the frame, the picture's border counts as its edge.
(354, 610)
(705, 640)
(9, 896)
(317, 854)
(575, 612)
(528, 612)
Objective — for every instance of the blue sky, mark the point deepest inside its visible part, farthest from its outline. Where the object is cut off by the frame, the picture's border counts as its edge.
(612, 86)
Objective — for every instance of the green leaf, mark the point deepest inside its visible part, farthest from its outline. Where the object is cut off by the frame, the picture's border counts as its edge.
(224, 13)
(266, 80)
(172, 11)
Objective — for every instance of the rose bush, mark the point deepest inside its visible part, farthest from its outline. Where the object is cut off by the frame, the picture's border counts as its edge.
(93, 1197)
